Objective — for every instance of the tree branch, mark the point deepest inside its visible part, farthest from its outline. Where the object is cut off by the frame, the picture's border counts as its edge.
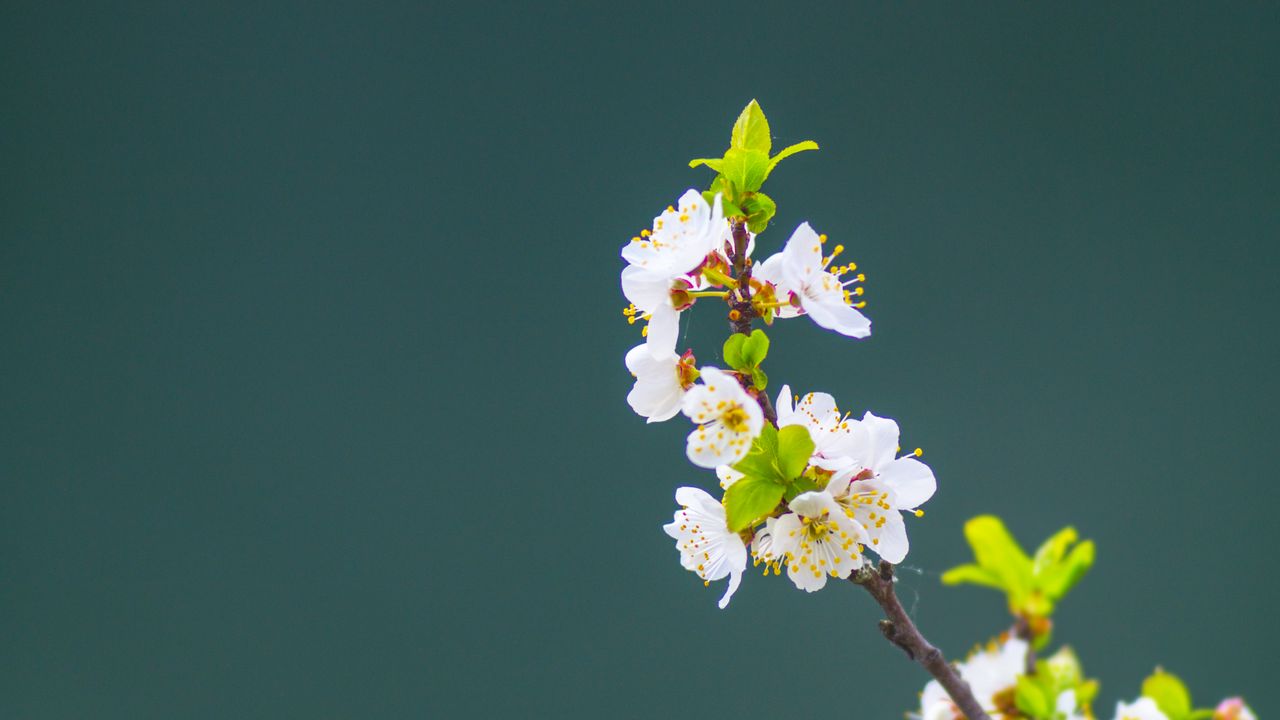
(741, 313)
(899, 630)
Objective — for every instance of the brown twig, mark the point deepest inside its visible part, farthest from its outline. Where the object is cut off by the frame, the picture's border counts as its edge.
(1022, 630)
(741, 313)
(899, 630)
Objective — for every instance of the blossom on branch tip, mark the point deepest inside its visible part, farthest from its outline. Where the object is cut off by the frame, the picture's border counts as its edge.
(799, 272)
(817, 539)
(707, 546)
(660, 384)
(728, 420)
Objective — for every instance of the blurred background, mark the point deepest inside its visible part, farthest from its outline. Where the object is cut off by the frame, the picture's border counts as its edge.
(313, 397)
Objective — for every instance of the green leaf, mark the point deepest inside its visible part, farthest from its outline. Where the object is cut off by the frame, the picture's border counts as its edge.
(749, 499)
(1169, 693)
(972, 575)
(1052, 550)
(726, 205)
(795, 447)
(759, 379)
(751, 130)
(1063, 667)
(733, 352)
(762, 459)
(745, 168)
(713, 163)
(756, 348)
(1032, 699)
(802, 484)
(999, 554)
(760, 209)
(1086, 692)
(1061, 577)
(788, 152)
(1036, 604)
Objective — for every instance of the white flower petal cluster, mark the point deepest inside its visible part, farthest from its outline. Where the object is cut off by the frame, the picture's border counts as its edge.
(681, 238)
(662, 264)
(799, 274)
(989, 672)
(728, 419)
(818, 412)
(661, 382)
(816, 539)
(869, 481)
(707, 546)
(1144, 708)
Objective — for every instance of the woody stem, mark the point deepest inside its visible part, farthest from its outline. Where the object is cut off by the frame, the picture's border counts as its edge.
(740, 311)
(898, 629)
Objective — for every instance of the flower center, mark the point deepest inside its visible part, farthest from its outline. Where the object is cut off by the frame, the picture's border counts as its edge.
(687, 370)
(680, 296)
(832, 278)
(734, 419)
(816, 529)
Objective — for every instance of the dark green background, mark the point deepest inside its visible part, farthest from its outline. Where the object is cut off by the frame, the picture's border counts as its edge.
(313, 397)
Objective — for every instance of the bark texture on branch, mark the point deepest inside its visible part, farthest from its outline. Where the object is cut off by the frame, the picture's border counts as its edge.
(899, 630)
(741, 313)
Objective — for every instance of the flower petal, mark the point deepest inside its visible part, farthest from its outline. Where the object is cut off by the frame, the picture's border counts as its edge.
(645, 289)
(664, 329)
(735, 579)
(912, 481)
(882, 442)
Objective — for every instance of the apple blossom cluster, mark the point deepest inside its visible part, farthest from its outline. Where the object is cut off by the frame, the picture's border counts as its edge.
(851, 488)
(811, 491)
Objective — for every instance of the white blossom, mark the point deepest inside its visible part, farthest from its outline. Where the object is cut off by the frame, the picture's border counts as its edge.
(662, 264)
(817, 539)
(728, 420)
(817, 411)
(707, 546)
(1144, 708)
(877, 485)
(681, 238)
(799, 274)
(659, 299)
(661, 382)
